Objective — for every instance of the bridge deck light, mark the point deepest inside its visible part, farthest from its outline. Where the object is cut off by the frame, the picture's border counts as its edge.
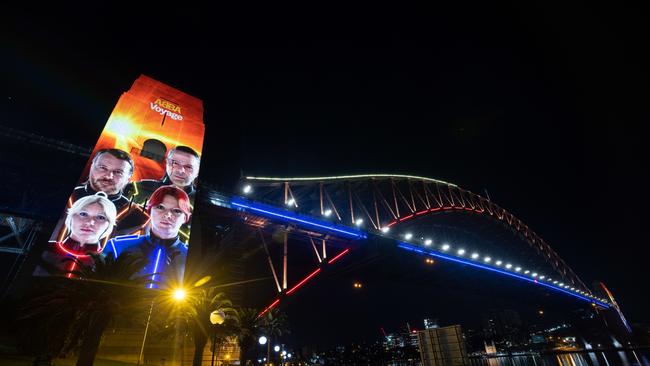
(461, 252)
(475, 255)
(508, 266)
(327, 213)
(445, 247)
(291, 202)
(526, 272)
(408, 236)
(428, 242)
(534, 274)
(498, 263)
(487, 259)
(542, 277)
(358, 222)
(247, 189)
(518, 269)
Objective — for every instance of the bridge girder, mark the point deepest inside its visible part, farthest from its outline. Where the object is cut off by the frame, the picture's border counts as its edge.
(386, 201)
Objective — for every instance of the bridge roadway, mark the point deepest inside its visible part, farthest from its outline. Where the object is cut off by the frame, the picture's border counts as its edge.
(350, 233)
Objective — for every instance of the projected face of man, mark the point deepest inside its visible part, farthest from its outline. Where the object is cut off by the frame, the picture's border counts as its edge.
(167, 218)
(109, 174)
(182, 168)
(89, 224)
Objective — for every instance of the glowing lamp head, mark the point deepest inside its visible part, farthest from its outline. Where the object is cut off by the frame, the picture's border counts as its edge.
(247, 189)
(179, 294)
(385, 229)
(217, 317)
(428, 242)
(358, 222)
(327, 213)
(408, 236)
(445, 247)
(276, 348)
(262, 340)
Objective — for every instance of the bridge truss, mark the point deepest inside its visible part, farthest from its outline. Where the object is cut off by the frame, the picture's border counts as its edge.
(351, 208)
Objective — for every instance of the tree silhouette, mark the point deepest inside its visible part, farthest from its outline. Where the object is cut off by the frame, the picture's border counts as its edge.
(71, 314)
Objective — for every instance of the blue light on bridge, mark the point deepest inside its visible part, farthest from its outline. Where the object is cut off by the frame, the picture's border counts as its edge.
(489, 268)
(288, 216)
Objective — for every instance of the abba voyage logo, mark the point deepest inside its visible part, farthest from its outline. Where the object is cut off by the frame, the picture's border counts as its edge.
(167, 109)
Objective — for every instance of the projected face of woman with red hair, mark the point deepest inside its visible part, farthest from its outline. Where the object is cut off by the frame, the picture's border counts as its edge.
(169, 209)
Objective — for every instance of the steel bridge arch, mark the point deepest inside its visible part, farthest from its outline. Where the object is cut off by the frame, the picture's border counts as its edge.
(387, 200)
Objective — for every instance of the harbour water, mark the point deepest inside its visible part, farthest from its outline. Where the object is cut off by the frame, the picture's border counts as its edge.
(624, 357)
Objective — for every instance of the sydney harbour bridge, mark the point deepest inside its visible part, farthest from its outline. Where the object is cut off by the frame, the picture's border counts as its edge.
(303, 226)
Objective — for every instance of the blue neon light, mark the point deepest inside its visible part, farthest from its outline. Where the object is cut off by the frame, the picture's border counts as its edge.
(289, 216)
(155, 268)
(477, 265)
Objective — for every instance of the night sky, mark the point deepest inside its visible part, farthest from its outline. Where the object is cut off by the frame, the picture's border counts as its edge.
(541, 106)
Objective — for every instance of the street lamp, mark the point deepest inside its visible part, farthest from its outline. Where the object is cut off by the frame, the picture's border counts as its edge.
(178, 295)
(263, 340)
(216, 317)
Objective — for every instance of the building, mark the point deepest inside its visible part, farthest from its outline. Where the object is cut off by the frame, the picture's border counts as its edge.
(443, 346)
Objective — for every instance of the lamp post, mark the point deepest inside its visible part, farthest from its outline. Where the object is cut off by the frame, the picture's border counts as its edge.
(216, 317)
(262, 341)
(178, 295)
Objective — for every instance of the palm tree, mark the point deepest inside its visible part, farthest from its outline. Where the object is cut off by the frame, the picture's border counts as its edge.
(73, 313)
(249, 327)
(274, 324)
(192, 316)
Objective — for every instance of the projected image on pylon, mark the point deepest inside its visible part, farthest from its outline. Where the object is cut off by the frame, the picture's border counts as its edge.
(136, 193)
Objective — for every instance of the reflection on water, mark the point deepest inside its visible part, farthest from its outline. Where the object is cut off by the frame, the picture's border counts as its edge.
(592, 358)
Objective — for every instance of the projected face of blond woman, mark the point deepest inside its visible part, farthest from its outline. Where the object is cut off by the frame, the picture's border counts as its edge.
(89, 224)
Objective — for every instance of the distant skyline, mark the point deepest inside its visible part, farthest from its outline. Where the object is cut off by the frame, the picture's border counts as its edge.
(539, 106)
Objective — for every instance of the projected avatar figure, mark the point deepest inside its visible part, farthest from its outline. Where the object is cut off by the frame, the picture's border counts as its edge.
(169, 209)
(88, 221)
(181, 169)
(110, 171)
